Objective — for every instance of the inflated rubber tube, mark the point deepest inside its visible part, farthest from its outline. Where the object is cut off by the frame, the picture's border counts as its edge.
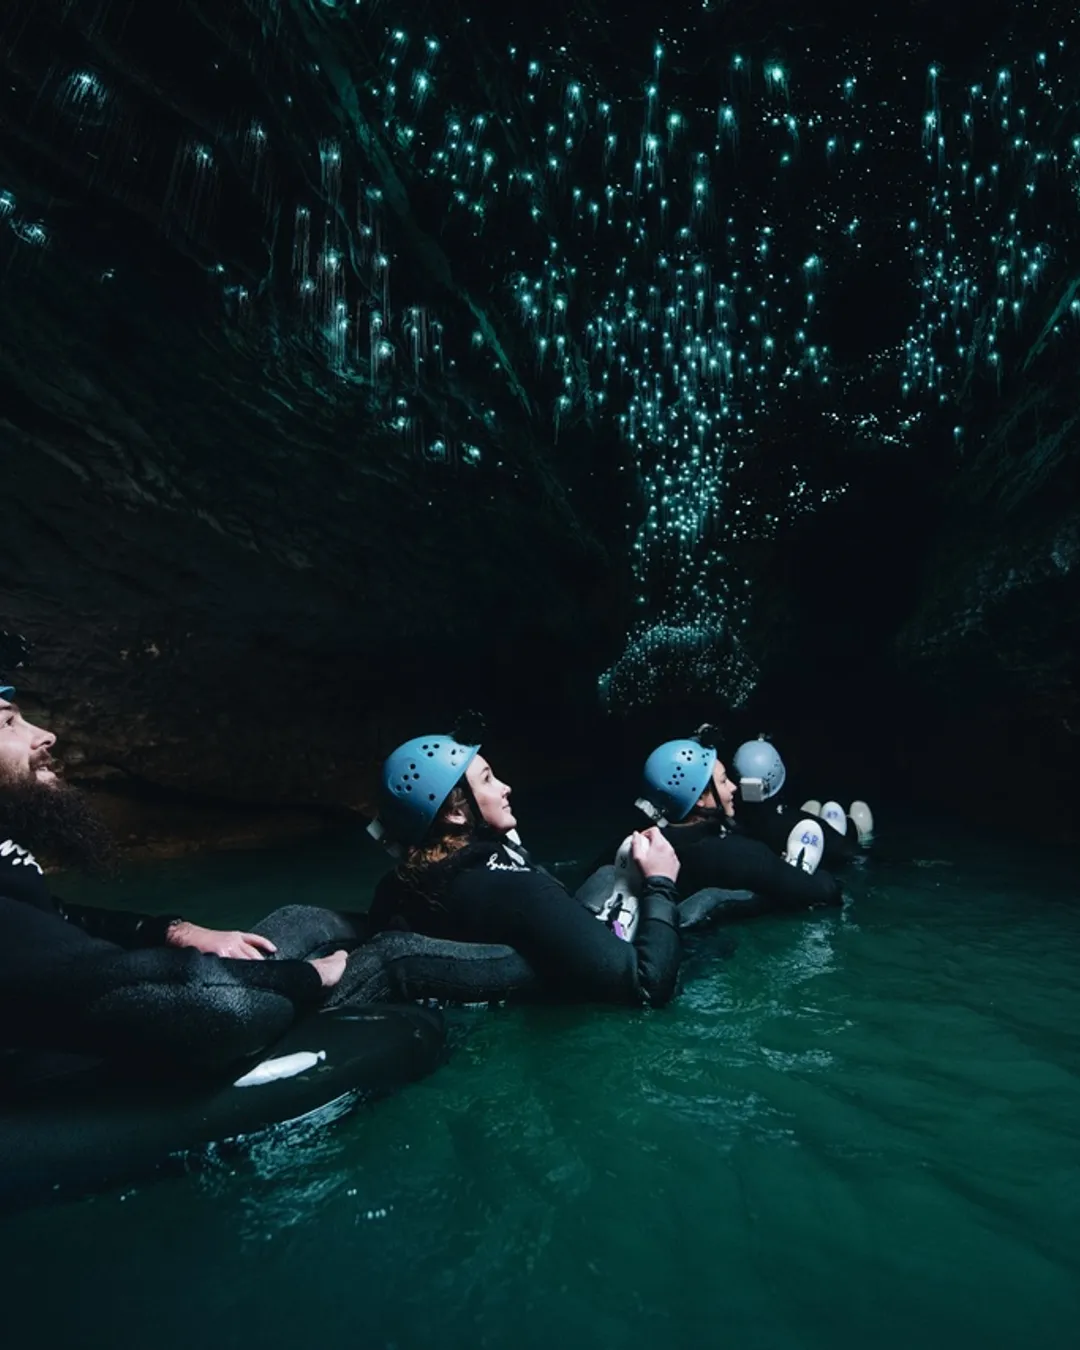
(606, 891)
(613, 893)
(805, 845)
(74, 1130)
(863, 819)
(713, 904)
(453, 972)
(835, 815)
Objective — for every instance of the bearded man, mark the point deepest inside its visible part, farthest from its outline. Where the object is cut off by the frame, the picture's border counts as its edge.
(76, 978)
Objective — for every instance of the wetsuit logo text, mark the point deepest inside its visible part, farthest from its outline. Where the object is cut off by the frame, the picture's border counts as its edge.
(9, 848)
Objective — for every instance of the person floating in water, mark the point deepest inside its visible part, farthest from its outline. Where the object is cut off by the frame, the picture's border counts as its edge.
(107, 982)
(687, 792)
(763, 814)
(464, 875)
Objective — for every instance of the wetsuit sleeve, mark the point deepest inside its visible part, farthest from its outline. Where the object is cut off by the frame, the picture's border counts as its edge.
(747, 864)
(124, 927)
(570, 950)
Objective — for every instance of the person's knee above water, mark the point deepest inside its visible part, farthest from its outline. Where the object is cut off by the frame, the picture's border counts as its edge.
(687, 791)
(760, 774)
(107, 982)
(464, 875)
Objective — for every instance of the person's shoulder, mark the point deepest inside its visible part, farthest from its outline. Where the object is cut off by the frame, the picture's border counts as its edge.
(22, 878)
(699, 831)
(386, 897)
(389, 888)
(388, 880)
(16, 860)
(501, 856)
(481, 858)
(493, 863)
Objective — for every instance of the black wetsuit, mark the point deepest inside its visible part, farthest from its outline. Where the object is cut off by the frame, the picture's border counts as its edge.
(491, 892)
(771, 822)
(715, 852)
(102, 982)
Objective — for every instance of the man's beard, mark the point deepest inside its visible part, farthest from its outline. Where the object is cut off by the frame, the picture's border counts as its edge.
(56, 821)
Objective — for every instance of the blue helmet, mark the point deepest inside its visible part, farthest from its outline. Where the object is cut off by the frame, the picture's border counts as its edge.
(759, 760)
(416, 779)
(676, 774)
(6, 690)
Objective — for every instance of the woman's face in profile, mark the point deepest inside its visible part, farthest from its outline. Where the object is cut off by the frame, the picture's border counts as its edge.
(491, 796)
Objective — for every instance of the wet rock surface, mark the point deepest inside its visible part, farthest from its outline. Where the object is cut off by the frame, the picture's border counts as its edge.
(242, 578)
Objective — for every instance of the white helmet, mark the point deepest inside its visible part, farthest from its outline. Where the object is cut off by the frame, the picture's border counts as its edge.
(813, 806)
(805, 845)
(834, 813)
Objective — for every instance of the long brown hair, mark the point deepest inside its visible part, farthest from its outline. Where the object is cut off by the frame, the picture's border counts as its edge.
(443, 839)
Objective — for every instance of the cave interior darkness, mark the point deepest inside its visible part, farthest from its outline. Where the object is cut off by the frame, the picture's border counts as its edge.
(606, 369)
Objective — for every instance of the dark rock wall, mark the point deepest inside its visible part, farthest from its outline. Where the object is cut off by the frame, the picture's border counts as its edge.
(249, 557)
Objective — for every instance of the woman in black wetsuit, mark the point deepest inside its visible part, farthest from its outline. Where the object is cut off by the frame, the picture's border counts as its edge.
(464, 875)
(687, 791)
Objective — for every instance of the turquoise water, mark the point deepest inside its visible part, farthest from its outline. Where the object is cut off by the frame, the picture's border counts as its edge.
(854, 1130)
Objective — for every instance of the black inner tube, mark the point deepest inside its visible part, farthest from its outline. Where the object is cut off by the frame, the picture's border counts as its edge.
(77, 1127)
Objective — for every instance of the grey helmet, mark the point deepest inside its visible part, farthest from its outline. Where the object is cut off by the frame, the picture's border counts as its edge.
(759, 762)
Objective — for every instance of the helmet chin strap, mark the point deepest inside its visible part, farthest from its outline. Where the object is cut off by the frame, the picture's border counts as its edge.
(378, 832)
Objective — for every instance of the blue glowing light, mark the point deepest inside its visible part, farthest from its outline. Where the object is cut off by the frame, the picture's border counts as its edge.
(663, 264)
